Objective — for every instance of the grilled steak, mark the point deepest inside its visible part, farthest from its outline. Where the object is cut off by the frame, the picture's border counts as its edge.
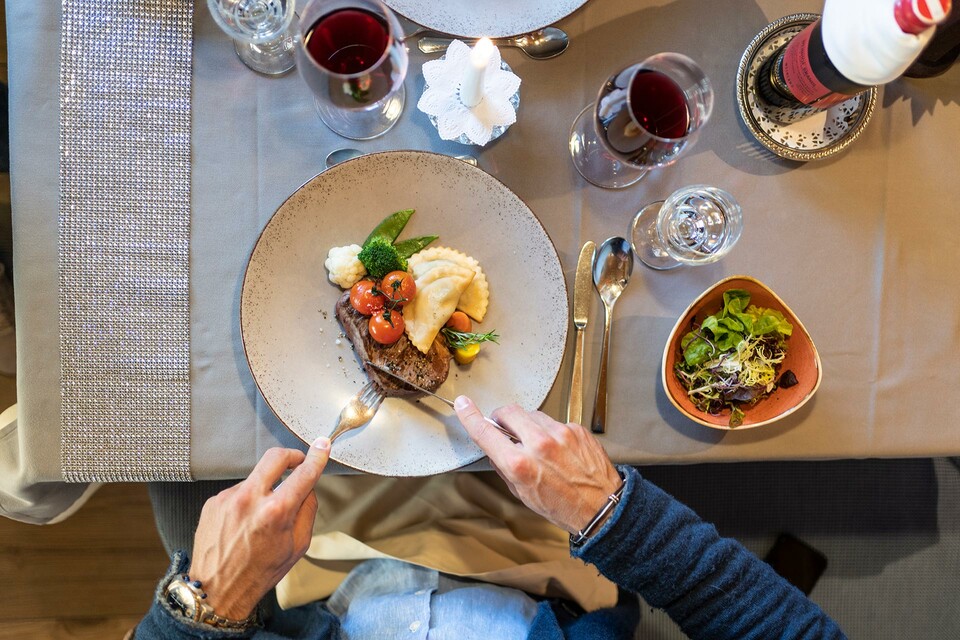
(427, 370)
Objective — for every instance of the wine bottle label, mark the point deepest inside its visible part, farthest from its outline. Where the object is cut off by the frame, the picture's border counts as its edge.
(775, 98)
(809, 74)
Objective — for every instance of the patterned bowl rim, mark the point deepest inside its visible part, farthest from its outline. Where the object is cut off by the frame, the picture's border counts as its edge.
(771, 30)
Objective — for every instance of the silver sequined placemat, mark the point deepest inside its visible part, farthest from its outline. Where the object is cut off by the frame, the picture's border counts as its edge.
(124, 239)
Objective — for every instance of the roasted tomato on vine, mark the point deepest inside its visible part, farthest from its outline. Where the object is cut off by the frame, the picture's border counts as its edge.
(398, 287)
(386, 326)
(363, 298)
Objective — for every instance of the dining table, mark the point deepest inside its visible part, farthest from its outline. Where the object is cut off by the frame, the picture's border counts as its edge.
(858, 245)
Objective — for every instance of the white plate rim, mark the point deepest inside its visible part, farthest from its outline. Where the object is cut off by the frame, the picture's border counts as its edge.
(470, 29)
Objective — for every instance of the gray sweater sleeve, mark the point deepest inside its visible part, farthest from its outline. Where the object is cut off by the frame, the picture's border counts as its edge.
(711, 586)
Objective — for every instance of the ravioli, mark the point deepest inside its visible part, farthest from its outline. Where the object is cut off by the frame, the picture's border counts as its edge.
(476, 297)
(440, 284)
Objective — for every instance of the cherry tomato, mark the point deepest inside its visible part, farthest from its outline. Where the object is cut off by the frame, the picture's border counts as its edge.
(386, 326)
(399, 287)
(364, 300)
(461, 322)
(467, 354)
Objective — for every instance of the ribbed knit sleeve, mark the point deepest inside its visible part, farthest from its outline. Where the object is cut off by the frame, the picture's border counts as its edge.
(711, 586)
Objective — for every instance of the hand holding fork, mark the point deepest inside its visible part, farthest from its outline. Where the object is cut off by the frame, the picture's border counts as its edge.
(359, 410)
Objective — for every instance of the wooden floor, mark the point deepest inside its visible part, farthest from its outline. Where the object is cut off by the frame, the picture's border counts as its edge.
(92, 576)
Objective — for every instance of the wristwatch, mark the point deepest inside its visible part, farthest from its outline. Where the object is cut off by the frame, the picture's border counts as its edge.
(187, 598)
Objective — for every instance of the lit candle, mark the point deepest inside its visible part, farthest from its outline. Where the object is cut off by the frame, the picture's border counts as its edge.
(471, 87)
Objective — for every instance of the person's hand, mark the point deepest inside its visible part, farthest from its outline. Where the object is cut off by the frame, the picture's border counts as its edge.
(250, 535)
(558, 470)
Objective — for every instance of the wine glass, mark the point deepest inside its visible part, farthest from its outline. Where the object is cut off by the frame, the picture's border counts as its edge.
(259, 29)
(645, 116)
(351, 55)
(695, 225)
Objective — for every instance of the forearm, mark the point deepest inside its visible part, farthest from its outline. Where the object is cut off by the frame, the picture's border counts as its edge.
(162, 622)
(712, 586)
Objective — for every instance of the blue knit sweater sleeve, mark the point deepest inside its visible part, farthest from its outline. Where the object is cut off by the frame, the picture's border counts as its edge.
(711, 586)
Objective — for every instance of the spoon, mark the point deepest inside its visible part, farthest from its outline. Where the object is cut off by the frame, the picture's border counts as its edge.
(540, 45)
(337, 156)
(611, 273)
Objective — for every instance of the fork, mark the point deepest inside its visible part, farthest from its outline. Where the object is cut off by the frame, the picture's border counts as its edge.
(359, 410)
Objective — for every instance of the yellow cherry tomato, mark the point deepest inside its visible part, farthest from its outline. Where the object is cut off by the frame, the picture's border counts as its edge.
(467, 354)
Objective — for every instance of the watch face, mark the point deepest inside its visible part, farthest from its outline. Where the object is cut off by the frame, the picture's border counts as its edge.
(181, 598)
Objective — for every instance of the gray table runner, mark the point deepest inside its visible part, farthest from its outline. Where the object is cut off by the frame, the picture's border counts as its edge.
(124, 239)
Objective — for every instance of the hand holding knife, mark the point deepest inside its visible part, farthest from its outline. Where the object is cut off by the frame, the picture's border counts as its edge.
(446, 401)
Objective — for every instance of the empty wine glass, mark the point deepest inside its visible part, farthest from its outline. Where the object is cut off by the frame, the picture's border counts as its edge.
(351, 55)
(695, 225)
(259, 29)
(645, 116)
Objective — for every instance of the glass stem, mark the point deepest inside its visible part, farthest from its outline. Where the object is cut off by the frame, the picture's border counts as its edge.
(273, 47)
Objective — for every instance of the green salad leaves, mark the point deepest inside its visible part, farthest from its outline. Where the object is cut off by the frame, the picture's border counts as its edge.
(732, 358)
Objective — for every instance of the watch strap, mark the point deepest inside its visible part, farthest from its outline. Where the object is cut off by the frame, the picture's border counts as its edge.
(202, 612)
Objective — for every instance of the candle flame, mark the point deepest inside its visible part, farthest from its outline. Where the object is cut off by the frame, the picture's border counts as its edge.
(482, 51)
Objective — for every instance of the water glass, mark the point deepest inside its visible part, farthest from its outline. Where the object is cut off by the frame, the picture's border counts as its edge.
(646, 115)
(260, 32)
(695, 225)
(351, 55)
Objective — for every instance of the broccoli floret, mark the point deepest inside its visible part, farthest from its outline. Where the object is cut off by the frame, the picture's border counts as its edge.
(380, 258)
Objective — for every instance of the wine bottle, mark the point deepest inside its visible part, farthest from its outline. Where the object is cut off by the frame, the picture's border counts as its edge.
(855, 45)
(942, 51)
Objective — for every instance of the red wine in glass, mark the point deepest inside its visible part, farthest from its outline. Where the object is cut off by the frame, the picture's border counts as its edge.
(658, 104)
(352, 56)
(644, 117)
(352, 42)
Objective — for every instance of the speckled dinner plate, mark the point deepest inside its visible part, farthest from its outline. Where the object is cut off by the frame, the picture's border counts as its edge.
(306, 371)
(494, 18)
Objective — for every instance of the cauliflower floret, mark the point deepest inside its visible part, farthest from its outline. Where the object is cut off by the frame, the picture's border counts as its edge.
(343, 267)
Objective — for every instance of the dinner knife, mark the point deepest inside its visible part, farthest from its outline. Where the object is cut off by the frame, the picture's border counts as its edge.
(447, 401)
(582, 294)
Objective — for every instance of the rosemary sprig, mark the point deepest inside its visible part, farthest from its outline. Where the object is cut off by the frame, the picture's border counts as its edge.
(460, 339)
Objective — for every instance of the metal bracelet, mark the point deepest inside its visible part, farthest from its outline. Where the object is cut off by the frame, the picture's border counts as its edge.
(578, 538)
(202, 612)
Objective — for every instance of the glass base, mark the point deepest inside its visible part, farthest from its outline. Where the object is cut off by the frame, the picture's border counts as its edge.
(592, 160)
(644, 240)
(270, 58)
(365, 124)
